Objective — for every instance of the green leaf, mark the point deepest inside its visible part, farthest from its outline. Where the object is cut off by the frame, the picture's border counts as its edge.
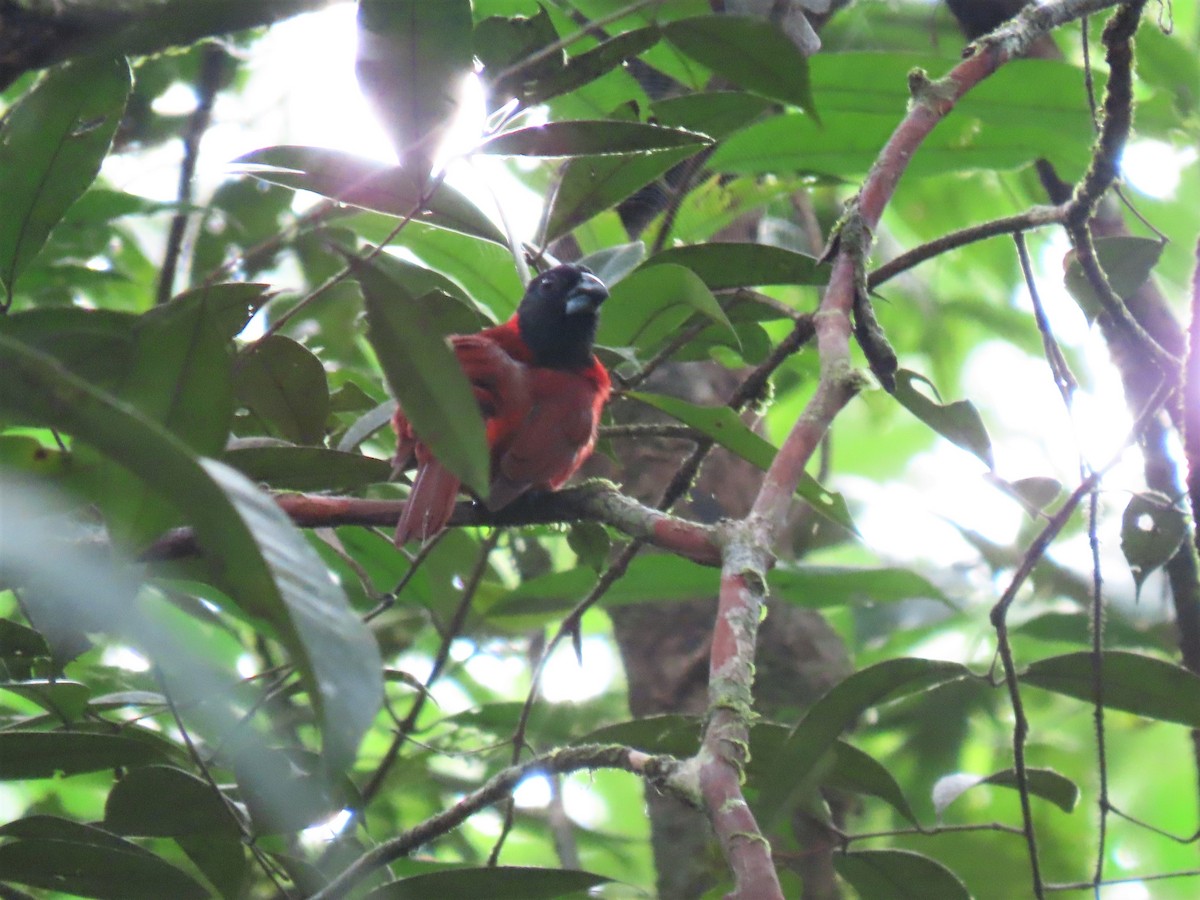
(308, 468)
(95, 344)
(585, 67)
(43, 754)
(51, 145)
(426, 378)
(715, 113)
(222, 860)
(792, 775)
(854, 770)
(371, 185)
(1127, 261)
(611, 264)
(1132, 682)
(413, 57)
(1152, 530)
(596, 138)
(265, 564)
(957, 422)
(163, 801)
(69, 857)
(817, 587)
(591, 184)
(750, 51)
(590, 543)
(723, 425)
(495, 883)
(66, 700)
(284, 384)
(443, 301)
(899, 875)
(650, 305)
(722, 266)
(1044, 783)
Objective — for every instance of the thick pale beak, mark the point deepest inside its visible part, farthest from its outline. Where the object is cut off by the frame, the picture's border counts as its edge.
(587, 295)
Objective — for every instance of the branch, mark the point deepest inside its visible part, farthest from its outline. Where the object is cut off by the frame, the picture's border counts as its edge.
(659, 770)
(596, 501)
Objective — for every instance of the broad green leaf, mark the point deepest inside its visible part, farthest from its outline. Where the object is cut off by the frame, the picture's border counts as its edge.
(817, 587)
(95, 344)
(1076, 628)
(723, 425)
(590, 543)
(308, 468)
(413, 58)
(65, 700)
(283, 384)
(612, 264)
(264, 562)
(16, 640)
(1026, 110)
(722, 266)
(444, 302)
(221, 858)
(650, 305)
(60, 855)
(715, 113)
(854, 770)
(792, 775)
(366, 425)
(672, 733)
(371, 185)
(426, 378)
(1132, 682)
(23, 453)
(1044, 783)
(43, 754)
(505, 45)
(495, 883)
(483, 270)
(749, 51)
(1152, 529)
(597, 138)
(899, 875)
(1127, 261)
(51, 145)
(589, 185)
(163, 801)
(957, 422)
(588, 66)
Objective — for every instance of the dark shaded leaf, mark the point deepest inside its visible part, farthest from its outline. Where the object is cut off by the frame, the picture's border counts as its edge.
(222, 860)
(495, 883)
(1044, 783)
(284, 384)
(162, 801)
(591, 184)
(795, 773)
(42, 754)
(749, 51)
(371, 185)
(97, 345)
(854, 770)
(899, 875)
(722, 266)
(958, 422)
(92, 867)
(308, 468)
(723, 425)
(51, 145)
(597, 138)
(426, 378)
(413, 57)
(1132, 682)
(587, 66)
(1152, 529)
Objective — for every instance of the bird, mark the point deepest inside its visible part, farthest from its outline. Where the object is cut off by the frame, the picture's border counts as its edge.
(540, 389)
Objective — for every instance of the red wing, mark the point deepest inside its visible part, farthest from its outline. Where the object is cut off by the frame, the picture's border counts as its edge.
(552, 440)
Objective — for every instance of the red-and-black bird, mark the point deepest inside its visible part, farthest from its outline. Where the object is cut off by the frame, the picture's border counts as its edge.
(540, 389)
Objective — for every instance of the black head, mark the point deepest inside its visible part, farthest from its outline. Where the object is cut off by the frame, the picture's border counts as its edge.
(558, 316)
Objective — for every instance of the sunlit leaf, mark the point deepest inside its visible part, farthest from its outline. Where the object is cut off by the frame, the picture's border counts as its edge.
(959, 422)
(597, 138)
(650, 305)
(1044, 783)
